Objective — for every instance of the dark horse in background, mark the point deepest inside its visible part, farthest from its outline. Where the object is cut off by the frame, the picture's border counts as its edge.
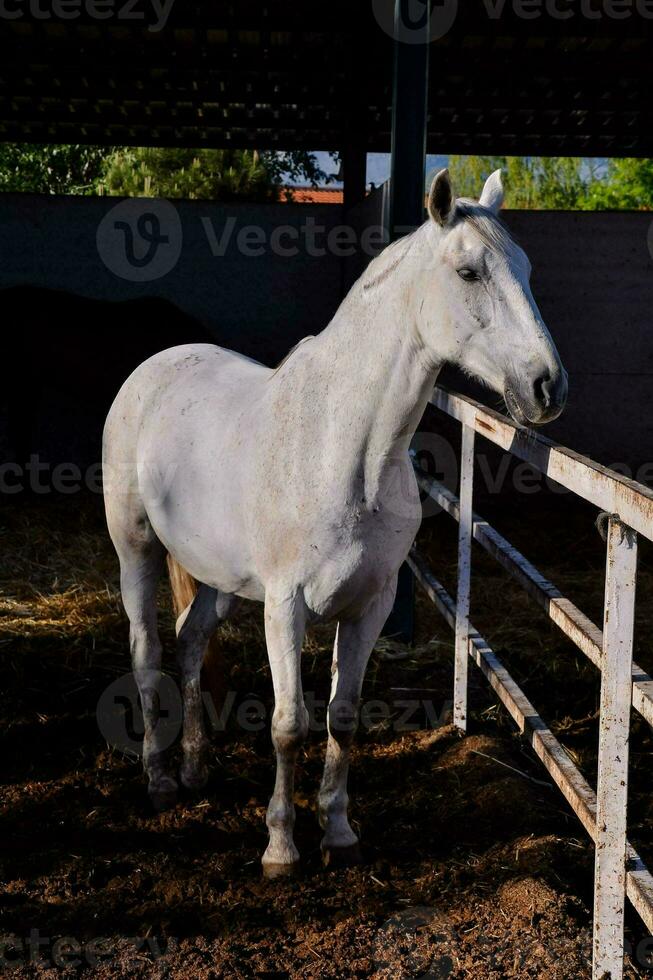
(65, 357)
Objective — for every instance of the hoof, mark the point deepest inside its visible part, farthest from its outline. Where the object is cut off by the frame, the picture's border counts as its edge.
(164, 795)
(342, 857)
(274, 869)
(194, 780)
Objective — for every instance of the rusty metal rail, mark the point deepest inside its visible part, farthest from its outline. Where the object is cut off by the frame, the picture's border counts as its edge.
(561, 611)
(607, 490)
(619, 871)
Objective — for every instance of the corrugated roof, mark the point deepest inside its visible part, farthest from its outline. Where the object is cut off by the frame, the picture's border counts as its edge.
(282, 75)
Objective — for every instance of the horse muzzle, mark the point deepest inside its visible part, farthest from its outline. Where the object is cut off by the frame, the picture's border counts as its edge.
(539, 401)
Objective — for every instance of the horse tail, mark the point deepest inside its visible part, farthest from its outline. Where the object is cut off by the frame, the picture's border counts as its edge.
(182, 585)
(213, 677)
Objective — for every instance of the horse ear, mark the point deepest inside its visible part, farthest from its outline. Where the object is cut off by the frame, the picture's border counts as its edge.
(493, 194)
(441, 198)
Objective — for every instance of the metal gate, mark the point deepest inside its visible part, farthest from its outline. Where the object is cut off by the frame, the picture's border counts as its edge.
(619, 871)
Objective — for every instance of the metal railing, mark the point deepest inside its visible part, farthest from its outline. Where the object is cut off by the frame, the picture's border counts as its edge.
(619, 871)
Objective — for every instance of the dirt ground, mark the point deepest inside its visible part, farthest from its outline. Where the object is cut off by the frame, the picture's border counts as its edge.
(474, 864)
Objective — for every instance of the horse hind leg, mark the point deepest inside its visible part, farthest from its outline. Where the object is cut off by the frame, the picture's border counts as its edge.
(195, 626)
(142, 559)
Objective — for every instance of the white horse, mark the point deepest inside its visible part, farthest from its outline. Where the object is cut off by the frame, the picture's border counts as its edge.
(294, 486)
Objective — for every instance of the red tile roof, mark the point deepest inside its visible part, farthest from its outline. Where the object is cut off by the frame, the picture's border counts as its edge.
(319, 195)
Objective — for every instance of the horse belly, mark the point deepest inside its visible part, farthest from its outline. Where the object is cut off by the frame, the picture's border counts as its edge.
(218, 560)
(192, 493)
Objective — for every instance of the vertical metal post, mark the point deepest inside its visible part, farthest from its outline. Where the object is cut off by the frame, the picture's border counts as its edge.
(612, 788)
(354, 173)
(464, 579)
(408, 163)
(409, 119)
(354, 146)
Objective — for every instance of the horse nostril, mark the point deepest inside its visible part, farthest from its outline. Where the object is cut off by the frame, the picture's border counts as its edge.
(550, 391)
(543, 387)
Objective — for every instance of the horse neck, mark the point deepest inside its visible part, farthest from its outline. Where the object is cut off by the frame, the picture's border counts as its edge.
(378, 372)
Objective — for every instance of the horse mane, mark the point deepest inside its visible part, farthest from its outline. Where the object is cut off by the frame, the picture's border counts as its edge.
(290, 353)
(489, 228)
(385, 264)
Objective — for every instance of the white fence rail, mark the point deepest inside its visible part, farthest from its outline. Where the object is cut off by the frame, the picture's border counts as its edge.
(619, 871)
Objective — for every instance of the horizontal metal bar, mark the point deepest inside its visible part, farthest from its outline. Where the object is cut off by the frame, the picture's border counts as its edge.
(604, 488)
(573, 623)
(574, 787)
(569, 780)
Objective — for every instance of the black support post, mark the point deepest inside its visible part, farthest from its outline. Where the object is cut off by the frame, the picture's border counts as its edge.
(354, 173)
(354, 143)
(409, 130)
(409, 119)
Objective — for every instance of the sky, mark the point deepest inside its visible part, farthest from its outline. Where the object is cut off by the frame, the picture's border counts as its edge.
(378, 166)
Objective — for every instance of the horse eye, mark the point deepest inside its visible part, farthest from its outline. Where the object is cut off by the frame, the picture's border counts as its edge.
(468, 275)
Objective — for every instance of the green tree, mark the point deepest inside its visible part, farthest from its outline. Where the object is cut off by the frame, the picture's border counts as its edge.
(153, 171)
(298, 165)
(628, 185)
(531, 182)
(220, 175)
(468, 173)
(50, 169)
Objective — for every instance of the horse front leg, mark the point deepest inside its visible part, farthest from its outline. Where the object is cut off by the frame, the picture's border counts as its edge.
(354, 643)
(285, 621)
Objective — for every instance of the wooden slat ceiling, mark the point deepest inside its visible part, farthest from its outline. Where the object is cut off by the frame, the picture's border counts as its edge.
(305, 76)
